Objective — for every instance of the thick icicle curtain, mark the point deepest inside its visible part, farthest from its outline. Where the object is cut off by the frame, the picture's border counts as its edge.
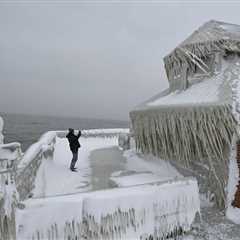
(187, 134)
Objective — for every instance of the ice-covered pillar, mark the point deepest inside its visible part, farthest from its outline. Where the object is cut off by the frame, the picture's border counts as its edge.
(1, 129)
(8, 194)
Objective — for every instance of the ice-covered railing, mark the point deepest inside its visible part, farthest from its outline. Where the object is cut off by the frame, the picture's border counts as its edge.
(9, 153)
(111, 132)
(151, 211)
(1, 129)
(31, 161)
(9, 156)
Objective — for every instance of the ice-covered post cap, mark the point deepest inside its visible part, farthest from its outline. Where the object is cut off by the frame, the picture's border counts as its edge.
(1, 129)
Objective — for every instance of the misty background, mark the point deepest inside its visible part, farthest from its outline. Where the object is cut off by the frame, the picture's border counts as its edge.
(93, 59)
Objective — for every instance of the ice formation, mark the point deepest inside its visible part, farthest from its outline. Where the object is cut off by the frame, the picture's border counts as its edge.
(44, 149)
(123, 213)
(143, 211)
(233, 178)
(31, 161)
(1, 129)
(195, 120)
(9, 155)
(124, 141)
(108, 132)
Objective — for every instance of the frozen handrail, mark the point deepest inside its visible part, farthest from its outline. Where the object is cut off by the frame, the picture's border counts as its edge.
(10, 155)
(111, 132)
(30, 162)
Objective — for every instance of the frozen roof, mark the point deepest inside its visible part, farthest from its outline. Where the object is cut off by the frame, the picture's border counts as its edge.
(210, 37)
(204, 92)
(213, 31)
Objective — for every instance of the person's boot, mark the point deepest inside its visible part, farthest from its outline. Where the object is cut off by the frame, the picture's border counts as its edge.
(73, 169)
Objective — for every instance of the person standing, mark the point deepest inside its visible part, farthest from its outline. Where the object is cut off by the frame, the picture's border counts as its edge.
(74, 146)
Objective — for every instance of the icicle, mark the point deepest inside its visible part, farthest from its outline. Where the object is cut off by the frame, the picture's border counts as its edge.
(185, 134)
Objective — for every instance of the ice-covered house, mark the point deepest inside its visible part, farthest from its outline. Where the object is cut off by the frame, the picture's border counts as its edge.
(195, 122)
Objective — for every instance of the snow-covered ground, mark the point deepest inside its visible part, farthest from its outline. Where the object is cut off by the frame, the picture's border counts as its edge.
(54, 177)
(144, 169)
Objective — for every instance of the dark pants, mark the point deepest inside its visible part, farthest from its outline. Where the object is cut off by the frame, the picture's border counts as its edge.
(74, 159)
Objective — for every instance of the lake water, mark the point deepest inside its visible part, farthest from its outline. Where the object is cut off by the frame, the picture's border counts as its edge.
(27, 129)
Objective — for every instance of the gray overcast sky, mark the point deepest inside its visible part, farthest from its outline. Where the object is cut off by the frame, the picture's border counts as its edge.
(92, 60)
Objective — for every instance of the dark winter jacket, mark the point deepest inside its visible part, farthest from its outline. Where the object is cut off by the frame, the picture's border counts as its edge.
(73, 141)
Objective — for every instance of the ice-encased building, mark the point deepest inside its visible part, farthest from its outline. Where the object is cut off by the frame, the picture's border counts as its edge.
(195, 122)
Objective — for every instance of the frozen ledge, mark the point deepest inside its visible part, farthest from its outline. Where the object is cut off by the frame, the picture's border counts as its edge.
(151, 210)
(138, 178)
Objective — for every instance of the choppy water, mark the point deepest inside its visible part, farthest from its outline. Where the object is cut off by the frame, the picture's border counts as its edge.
(27, 129)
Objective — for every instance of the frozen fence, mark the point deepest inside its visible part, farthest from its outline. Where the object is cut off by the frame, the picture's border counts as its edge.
(141, 212)
(31, 161)
(9, 157)
(111, 132)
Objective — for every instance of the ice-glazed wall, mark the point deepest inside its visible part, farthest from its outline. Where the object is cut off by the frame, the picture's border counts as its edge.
(31, 161)
(233, 168)
(144, 212)
(196, 131)
(186, 135)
